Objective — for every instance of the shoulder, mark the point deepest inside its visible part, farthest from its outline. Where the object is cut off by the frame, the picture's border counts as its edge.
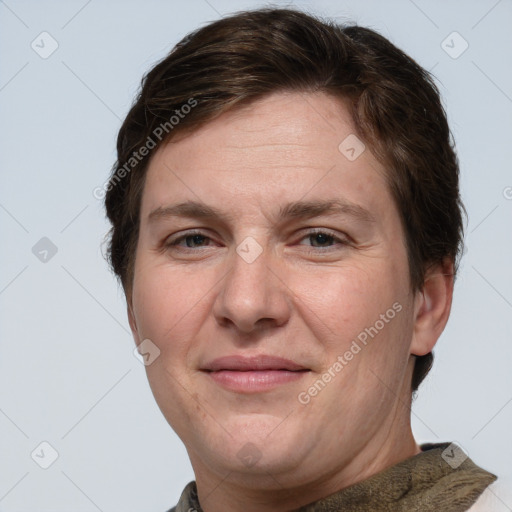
(496, 498)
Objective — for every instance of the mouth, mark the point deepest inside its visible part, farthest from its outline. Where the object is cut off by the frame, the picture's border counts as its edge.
(253, 374)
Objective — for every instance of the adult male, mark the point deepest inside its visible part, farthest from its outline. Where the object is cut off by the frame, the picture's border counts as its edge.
(287, 234)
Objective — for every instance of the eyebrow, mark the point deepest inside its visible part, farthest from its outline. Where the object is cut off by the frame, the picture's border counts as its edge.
(294, 210)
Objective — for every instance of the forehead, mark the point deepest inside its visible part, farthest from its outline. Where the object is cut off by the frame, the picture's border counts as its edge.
(300, 126)
(284, 146)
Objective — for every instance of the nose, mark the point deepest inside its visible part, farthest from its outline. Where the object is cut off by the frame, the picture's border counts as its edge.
(253, 295)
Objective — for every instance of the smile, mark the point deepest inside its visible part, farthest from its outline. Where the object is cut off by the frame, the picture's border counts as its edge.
(253, 374)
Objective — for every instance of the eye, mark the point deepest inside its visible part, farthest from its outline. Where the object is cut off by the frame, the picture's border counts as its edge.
(192, 240)
(323, 239)
(318, 239)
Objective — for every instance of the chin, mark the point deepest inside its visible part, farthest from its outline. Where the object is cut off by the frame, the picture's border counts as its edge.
(259, 444)
(250, 460)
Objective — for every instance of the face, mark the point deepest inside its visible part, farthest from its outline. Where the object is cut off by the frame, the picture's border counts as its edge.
(271, 273)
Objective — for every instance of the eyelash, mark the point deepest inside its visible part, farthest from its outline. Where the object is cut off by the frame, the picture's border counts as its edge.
(330, 235)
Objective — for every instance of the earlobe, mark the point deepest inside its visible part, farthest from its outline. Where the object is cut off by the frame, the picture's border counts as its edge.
(432, 308)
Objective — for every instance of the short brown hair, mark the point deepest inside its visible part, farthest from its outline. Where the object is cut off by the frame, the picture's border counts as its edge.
(394, 102)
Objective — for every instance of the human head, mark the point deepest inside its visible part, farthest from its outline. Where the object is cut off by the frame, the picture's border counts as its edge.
(257, 113)
(233, 62)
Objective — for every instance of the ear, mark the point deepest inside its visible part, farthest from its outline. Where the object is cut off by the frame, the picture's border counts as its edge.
(432, 307)
(133, 323)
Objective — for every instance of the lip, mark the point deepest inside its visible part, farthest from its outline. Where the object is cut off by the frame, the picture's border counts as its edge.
(255, 363)
(253, 374)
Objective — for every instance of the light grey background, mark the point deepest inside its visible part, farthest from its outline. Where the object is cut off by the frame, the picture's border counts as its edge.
(67, 372)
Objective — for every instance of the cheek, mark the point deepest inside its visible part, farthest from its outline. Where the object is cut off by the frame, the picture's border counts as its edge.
(363, 315)
(345, 301)
(167, 305)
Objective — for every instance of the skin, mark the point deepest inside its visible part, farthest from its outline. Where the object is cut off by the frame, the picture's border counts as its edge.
(305, 298)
